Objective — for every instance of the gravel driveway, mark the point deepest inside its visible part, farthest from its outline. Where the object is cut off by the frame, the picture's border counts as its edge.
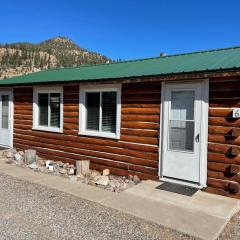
(31, 211)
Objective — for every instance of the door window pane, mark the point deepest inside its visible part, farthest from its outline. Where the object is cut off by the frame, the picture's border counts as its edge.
(182, 105)
(181, 123)
(43, 109)
(109, 111)
(5, 111)
(93, 110)
(181, 135)
(55, 109)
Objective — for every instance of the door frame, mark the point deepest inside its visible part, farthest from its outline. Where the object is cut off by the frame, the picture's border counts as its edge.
(11, 108)
(203, 131)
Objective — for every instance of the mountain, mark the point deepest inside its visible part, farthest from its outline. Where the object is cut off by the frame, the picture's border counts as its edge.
(22, 58)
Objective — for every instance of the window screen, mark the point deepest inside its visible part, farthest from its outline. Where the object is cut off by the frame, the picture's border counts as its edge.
(101, 111)
(43, 109)
(55, 109)
(93, 110)
(5, 111)
(109, 109)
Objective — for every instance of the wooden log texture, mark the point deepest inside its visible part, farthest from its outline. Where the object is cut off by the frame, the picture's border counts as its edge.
(136, 152)
(223, 137)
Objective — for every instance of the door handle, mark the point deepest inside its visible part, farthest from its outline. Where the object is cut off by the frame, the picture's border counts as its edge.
(197, 138)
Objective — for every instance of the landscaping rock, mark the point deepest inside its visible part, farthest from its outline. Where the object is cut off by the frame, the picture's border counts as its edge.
(62, 171)
(103, 180)
(33, 166)
(60, 164)
(130, 177)
(136, 179)
(18, 157)
(106, 172)
(47, 163)
(111, 177)
(94, 173)
(50, 168)
(96, 178)
(41, 162)
(9, 154)
(21, 153)
(66, 165)
(71, 171)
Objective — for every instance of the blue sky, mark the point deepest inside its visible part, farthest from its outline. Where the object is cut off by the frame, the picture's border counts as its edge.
(125, 29)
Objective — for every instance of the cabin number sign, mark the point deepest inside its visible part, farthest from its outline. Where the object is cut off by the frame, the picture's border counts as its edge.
(236, 113)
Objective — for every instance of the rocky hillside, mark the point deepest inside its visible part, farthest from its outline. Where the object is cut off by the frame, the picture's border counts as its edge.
(23, 58)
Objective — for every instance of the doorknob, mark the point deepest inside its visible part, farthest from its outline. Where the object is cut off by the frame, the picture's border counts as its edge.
(197, 138)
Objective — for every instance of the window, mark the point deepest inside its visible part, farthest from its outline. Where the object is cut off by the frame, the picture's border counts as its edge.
(48, 109)
(5, 111)
(100, 111)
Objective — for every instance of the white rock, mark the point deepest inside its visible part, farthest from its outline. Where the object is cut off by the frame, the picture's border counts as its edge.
(33, 166)
(103, 180)
(48, 162)
(21, 153)
(62, 171)
(71, 171)
(106, 172)
(112, 184)
(96, 178)
(50, 168)
(18, 157)
(95, 173)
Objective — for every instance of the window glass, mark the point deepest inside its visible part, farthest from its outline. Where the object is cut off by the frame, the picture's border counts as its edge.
(5, 111)
(93, 110)
(109, 111)
(181, 123)
(55, 109)
(43, 109)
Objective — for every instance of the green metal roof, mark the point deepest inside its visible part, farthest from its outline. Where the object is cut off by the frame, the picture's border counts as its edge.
(219, 59)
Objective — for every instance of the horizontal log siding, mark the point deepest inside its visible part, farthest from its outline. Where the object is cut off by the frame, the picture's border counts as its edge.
(224, 135)
(135, 153)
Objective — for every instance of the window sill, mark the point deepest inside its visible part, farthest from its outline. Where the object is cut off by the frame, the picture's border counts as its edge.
(99, 134)
(48, 129)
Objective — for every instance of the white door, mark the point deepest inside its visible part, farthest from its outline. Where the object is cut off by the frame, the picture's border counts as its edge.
(181, 132)
(5, 118)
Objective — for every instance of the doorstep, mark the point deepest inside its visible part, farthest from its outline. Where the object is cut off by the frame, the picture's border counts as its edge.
(202, 215)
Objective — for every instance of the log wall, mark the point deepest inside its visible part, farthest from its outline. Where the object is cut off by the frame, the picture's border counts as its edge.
(224, 137)
(135, 153)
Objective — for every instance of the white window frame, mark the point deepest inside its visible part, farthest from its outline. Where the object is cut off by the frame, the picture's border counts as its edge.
(82, 109)
(38, 90)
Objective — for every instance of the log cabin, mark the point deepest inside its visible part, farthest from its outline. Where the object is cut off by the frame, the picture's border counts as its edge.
(172, 118)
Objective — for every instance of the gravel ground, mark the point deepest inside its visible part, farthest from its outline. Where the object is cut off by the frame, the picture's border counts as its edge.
(232, 230)
(31, 211)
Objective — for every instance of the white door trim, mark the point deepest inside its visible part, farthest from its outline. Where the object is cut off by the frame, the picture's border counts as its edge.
(11, 106)
(203, 131)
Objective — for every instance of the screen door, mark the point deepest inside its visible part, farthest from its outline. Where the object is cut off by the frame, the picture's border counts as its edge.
(181, 132)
